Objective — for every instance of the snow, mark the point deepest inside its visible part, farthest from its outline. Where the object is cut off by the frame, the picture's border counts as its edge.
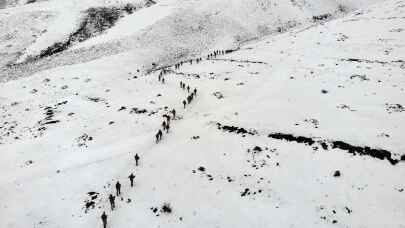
(131, 24)
(271, 84)
(186, 29)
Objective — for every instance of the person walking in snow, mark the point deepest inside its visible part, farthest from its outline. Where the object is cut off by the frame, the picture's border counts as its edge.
(190, 98)
(164, 125)
(174, 113)
(131, 178)
(118, 188)
(184, 103)
(167, 128)
(159, 136)
(188, 88)
(195, 92)
(112, 201)
(136, 159)
(104, 219)
(167, 119)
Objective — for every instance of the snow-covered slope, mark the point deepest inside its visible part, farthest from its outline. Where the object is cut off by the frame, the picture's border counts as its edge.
(170, 30)
(333, 91)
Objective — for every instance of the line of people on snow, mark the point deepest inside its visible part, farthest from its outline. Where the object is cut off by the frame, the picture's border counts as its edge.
(217, 52)
(198, 60)
(165, 125)
(191, 94)
(159, 135)
(161, 74)
(112, 198)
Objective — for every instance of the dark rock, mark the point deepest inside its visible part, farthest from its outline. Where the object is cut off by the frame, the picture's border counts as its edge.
(337, 173)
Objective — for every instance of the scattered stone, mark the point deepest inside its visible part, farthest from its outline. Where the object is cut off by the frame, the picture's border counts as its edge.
(83, 139)
(29, 162)
(245, 192)
(394, 108)
(218, 95)
(337, 173)
(362, 77)
(122, 108)
(166, 208)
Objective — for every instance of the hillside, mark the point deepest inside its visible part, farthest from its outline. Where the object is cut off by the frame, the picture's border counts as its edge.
(294, 127)
(163, 33)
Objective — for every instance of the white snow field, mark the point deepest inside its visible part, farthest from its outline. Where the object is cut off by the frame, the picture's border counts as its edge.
(298, 128)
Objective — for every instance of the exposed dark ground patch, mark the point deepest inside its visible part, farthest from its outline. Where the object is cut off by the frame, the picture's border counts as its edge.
(166, 208)
(83, 139)
(95, 21)
(218, 95)
(394, 108)
(372, 61)
(324, 143)
(203, 172)
(352, 149)
(248, 192)
(90, 202)
(236, 130)
(49, 116)
(12, 130)
(260, 157)
(321, 17)
(362, 77)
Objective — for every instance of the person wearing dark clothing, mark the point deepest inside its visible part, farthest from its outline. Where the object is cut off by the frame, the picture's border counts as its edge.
(167, 119)
(136, 159)
(188, 88)
(184, 103)
(159, 136)
(104, 219)
(164, 125)
(131, 178)
(174, 113)
(118, 188)
(195, 91)
(112, 201)
(167, 128)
